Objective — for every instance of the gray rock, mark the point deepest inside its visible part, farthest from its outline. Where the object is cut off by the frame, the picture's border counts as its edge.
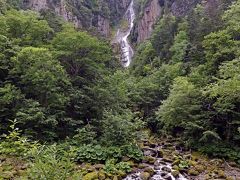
(166, 169)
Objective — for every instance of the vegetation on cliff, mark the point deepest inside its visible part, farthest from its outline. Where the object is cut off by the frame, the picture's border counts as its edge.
(65, 100)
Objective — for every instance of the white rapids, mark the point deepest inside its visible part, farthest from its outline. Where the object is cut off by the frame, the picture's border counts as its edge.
(160, 174)
(122, 37)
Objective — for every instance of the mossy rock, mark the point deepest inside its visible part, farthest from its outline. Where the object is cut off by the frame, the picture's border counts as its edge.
(149, 159)
(175, 167)
(193, 172)
(98, 166)
(90, 168)
(160, 153)
(91, 176)
(125, 159)
(101, 175)
(192, 163)
(116, 178)
(6, 175)
(7, 167)
(142, 166)
(200, 168)
(131, 163)
(21, 172)
(221, 174)
(175, 173)
(145, 176)
(149, 170)
(176, 162)
(121, 174)
(196, 156)
(168, 160)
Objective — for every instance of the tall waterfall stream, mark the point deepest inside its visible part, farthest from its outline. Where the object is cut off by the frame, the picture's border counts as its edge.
(122, 37)
(127, 53)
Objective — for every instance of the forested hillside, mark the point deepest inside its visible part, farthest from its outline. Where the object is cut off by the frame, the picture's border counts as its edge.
(69, 110)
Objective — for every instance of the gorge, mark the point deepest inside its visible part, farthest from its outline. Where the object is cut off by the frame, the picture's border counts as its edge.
(120, 89)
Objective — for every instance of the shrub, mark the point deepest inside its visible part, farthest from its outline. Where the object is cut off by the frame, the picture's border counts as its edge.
(52, 162)
(14, 144)
(222, 150)
(112, 167)
(97, 153)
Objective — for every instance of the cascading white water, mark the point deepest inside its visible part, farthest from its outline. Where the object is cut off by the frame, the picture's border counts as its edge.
(122, 37)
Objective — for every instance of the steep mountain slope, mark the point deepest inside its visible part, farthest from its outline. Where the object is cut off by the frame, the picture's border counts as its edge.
(151, 10)
(99, 15)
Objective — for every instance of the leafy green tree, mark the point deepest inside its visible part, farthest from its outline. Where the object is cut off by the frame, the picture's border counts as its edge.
(34, 119)
(118, 129)
(7, 50)
(231, 19)
(3, 6)
(45, 85)
(87, 61)
(182, 109)
(163, 36)
(24, 27)
(219, 47)
(11, 98)
(41, 76)
(226, 97)
(180, 44)
(143, 60)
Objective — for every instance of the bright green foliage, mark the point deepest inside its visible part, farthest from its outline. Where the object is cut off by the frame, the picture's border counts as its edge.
(219, 47)
(182, 106)
(85, 135)
(226, 97)
(14, 144)
(63, 84)
(11, 97)
(41, 76)
(24, 27)
(222, 150)
(147, 93)
(180, 44)
(143, 60)
(33, 116)
(87, 60)
(7, 50)
(118, 129)
(97, 153)
(111, 167)
(231, 19)
(54, 163)
(163, 36)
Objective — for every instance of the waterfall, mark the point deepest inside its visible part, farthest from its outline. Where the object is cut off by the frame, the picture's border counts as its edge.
(122, 37)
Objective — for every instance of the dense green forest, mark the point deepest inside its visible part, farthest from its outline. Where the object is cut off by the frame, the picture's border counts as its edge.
(65, 99)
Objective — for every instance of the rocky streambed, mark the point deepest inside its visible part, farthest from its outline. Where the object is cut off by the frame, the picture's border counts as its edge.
(155, 167)
(168, 160)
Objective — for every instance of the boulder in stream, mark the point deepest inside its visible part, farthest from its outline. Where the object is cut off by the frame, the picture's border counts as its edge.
(145, 176)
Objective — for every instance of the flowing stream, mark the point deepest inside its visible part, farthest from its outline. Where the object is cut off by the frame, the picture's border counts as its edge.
(123, 34)
(162, 169)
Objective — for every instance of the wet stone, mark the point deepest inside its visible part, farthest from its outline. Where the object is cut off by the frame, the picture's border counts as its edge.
(157, 168)
(167, 177)
(166, 169)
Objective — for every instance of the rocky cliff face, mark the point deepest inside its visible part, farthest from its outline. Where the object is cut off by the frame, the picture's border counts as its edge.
(155, 8)
(59, 7)
(117, 8)
(84, 14)
(150, 15)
